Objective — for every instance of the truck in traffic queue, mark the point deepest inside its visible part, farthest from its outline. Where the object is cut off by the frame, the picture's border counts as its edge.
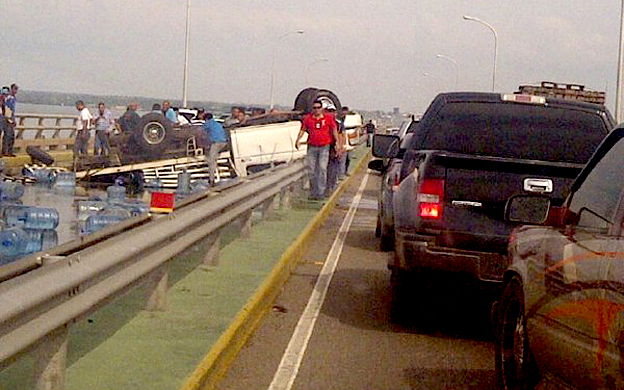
(472, 153)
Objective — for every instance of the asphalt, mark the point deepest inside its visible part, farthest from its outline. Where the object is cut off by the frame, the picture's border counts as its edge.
(354, 344)
(121, 346)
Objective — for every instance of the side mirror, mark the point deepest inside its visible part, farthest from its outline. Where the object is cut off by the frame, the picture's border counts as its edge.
(528, 209)
(376, 165)
(385, 146)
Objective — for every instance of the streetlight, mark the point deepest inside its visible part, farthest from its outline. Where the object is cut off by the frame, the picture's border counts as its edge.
(273, 62)
(454, 64)
(311, 64)
(466, 17)
(186, 51)
(620, 78)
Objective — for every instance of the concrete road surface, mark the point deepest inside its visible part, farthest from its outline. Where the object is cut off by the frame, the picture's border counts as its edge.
(352, 343)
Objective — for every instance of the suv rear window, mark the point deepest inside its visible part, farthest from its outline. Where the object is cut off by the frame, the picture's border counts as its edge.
(516, 131)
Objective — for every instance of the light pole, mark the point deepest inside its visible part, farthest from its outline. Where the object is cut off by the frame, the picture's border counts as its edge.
(311, 64)
(620, 77)
(186, 51)
(466, 17)
(454, 64)
(273, 62)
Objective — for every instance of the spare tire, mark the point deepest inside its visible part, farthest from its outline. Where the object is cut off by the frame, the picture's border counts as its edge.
(308, 96)
(39, 155)
(152, 133)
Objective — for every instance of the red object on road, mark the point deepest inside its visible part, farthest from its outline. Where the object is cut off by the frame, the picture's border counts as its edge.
(162, 202)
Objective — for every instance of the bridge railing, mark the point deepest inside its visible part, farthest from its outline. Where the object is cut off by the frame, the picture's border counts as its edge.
(48, 131)
(42, 296)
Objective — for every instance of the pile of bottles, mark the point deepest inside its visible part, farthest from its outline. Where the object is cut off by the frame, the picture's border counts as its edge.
(25, 229)
(95, 214)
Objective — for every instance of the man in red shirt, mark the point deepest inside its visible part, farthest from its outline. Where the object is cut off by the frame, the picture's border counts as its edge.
(322, 132)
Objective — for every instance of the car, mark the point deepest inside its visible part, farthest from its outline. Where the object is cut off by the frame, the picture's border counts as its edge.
(390, 170)
(560, 320)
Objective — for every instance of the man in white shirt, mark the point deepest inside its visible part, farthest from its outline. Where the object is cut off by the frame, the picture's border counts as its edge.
(104, 125)
(82, 126)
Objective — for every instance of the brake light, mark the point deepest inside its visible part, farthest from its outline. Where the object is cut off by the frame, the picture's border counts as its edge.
(430, 197)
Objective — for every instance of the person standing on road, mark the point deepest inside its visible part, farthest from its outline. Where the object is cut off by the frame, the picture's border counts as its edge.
(129, 118)
(370, 131)
(217, 140)
(169, 112)
(82, 129)
(347, 159)
(104, 124)
(9, 119)
(336, 156)
(4, 92)
(322, 132)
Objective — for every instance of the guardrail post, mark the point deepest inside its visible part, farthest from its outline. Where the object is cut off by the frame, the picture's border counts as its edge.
(245, 231)
(286, 196)
(157, 291)
(51, 360)
(211, 258)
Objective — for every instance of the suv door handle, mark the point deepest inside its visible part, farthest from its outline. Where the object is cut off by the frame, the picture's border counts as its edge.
(538, 185)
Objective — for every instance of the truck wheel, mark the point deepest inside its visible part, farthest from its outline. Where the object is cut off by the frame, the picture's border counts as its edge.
(378, 227)
(39, 155)
(152, 133)
(515, 367)
(308, 96)
(386, 242)
(399, 309)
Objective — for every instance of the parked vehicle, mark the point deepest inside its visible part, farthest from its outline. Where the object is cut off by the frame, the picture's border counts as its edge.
(390, 170)
(470, 153)
(561, 317)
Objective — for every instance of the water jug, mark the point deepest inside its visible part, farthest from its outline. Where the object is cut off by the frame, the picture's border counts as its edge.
(154, 182)
(65, 179)
(86, 208)
(135, 207)
(40, 239)
(116, 194)
(100, 221)
(30, 217)
(12, 241)
(11, 190)
(43, 176)
(184, 183)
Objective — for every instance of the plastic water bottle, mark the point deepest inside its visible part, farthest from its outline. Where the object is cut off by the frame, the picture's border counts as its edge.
(30, 217)
(153, 182)
(135, 208)
(43, 176)
(200, 185)
(100, 221)
(12, 241)
(40, 239)
(65, 179)
(11, 190)
(184, 183)
(86, 208)
(116, 194)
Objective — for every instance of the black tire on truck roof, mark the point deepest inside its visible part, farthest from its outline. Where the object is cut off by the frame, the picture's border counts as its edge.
(153, 133)
(39, 155)
(308, 96)
(304, 100)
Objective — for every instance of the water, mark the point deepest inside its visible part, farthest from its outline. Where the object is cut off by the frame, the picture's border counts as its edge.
(116, 194)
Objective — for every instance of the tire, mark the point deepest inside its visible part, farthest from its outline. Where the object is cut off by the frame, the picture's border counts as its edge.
(304, 100)
(515, 366)
(39, 155)
(386, 238)
(399, 309)
(308, 96)
(378, 227)
(152, 133)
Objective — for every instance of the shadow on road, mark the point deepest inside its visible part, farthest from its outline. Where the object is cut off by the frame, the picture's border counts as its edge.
(445, 378)
(362, 298)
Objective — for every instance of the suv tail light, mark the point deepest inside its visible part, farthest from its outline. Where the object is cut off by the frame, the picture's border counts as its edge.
(430, 197)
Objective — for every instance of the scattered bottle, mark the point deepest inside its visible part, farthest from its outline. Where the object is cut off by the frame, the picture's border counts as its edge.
(153, 182)
(65, 179)
(43, 176)
(100, 221)
(12, 241)
(116, 194)
(11, 190)
(30, 217)
(184, 183)
(86, 208)
(40, 239)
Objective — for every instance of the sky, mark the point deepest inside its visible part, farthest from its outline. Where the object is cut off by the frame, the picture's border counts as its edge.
(374, 55)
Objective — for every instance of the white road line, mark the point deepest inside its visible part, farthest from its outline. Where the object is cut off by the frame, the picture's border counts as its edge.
(291, 361)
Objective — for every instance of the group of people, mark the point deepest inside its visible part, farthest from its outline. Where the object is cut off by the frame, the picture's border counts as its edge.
(7, 118)
(326, 156)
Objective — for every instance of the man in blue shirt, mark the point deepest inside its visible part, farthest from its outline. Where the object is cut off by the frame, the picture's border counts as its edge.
(9, 122)
(218, 141)
(169, 112)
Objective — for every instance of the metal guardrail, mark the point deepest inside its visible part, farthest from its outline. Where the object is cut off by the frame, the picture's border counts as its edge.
(48, 131)
(46, 294)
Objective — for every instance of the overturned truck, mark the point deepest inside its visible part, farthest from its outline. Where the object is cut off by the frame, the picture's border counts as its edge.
(155, 148)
